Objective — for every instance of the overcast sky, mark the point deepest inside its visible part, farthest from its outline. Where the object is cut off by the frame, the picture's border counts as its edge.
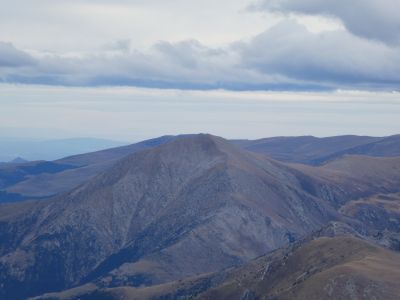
(247, 48)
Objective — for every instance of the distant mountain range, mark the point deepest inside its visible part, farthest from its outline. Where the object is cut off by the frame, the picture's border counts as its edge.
(37, 149)
(31, 180)
(18, 160)
(165, 218)
(316, 151)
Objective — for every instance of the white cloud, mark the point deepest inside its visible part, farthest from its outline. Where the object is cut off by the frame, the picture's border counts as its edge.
(207, 45)
(81, 25)
(287, 56)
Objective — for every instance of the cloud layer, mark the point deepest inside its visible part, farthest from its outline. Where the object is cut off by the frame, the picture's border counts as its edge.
(370, 19)
(286, 56)
(334, 58)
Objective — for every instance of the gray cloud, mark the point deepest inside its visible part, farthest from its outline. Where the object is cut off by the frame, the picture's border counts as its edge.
(12, 57)
(187, 65)
(372, 19)
(284, 57)
(333, 57)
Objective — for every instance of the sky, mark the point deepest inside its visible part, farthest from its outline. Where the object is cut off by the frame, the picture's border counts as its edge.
(134, 69)
(134, 114)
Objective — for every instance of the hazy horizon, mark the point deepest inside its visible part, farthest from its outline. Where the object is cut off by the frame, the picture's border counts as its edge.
(131, 114)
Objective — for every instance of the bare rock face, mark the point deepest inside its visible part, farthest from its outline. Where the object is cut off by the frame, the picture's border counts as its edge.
(194, 205)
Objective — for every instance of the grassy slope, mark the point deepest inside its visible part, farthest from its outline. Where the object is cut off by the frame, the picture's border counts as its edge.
(340, 267)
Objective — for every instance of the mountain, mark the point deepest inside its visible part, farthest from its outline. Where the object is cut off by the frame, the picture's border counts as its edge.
(314, 151)
(325, 265)
(354, 177)
(309, 150)
(35, 149)
(25, 182)
(144, 219)
(193, 205)
(303, 149)
(12, 174)
(113, 154)
(18, 160)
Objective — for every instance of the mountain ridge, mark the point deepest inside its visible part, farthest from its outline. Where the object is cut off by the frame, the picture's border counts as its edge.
(143, 220)
(288, 149)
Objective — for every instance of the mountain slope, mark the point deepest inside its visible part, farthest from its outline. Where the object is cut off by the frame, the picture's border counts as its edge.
(145, 219)
(316, 151)
(383, 147)
(352, 177)
(194, 205)
(378, 216)
(339, 266)
(11, 175)
(67, 173)
(326, 268)
(113, 154)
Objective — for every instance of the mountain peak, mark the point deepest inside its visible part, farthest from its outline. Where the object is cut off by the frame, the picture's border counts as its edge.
(201, 138)
(188, 147)
(202, 142)
(18, 160)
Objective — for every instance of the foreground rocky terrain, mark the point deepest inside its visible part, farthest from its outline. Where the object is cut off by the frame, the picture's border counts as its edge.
(326, 265)
(195, 205)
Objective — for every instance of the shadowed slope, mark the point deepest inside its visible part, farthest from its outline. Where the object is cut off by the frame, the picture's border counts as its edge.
(319, 267)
